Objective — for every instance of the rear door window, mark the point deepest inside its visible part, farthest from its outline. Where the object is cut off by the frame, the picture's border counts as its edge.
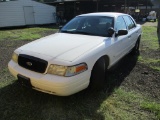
(129, 22)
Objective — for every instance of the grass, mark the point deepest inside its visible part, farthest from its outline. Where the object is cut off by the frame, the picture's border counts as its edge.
(150, 43)
(153, 63)
(119, 105)
(152, 107)
(5, 80)
(150, 37)
(25, 34)
(20, 103)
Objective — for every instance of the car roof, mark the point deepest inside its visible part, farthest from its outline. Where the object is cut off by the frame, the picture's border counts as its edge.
(110, 14)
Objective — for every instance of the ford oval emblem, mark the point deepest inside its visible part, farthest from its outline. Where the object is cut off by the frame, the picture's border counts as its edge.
(29, 63)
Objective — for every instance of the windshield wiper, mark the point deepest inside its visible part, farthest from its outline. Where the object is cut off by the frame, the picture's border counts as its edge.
(65, 31)
(75, 32)
(82, 32)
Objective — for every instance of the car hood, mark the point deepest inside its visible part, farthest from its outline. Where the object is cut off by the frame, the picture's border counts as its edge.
(63, 46)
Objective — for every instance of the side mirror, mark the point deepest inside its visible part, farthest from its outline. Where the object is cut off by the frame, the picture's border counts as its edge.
(111, 31)
(60, 27)
(122, 32)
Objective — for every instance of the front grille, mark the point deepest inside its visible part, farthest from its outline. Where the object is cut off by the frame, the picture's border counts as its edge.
(32, 63)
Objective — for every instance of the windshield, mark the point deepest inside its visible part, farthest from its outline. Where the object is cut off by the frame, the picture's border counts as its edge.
(89, 25)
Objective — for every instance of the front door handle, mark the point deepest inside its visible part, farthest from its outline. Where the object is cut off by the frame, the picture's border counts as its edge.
(129, 36)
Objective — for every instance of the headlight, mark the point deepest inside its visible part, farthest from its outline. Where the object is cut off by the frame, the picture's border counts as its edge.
(67, 71)
(15, 57)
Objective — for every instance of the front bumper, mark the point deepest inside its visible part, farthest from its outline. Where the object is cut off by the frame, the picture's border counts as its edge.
(52, 84)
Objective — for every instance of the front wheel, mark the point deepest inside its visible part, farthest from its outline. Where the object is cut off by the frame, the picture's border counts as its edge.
(98, 75)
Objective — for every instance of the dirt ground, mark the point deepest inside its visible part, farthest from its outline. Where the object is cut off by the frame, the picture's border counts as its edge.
(148, 23)
(130, 74)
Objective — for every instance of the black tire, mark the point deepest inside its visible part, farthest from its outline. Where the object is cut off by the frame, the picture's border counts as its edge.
(98, 75)
(135, 50)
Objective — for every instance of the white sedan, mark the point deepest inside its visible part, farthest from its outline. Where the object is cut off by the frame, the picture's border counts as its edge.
(78, 56)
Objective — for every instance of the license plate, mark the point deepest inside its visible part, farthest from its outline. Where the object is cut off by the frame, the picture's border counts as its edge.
(24, 81)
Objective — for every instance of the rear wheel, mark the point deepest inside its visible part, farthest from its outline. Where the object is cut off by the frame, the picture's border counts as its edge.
(135, 50)
(98, 75)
